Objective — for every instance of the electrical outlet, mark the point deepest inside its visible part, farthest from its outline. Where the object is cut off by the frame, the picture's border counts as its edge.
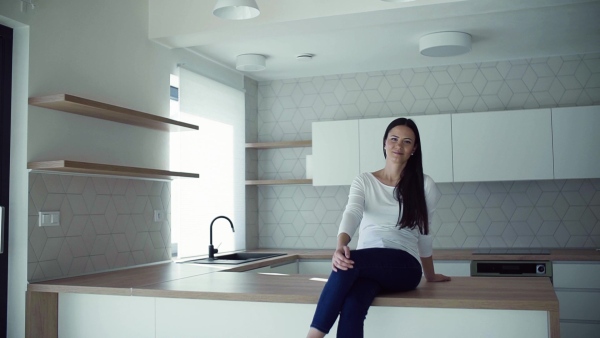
(159, 215)
(49, 218)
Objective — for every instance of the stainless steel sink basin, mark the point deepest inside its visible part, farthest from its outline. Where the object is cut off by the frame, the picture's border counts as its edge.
(235, 258)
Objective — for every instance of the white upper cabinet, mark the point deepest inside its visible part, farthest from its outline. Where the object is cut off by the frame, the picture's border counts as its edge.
(536, 144)
(436, 143)
(576, 139)
(335, 155)
(502, 146)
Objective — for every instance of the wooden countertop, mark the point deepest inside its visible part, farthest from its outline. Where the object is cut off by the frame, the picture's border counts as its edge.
(221, 282)
(176, 280)
(124, 282)
(529, 293)
(189, 281)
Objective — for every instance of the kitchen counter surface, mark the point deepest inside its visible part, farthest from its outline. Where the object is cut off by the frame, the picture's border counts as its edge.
(166, 276)
(224, 282)
(174, 280)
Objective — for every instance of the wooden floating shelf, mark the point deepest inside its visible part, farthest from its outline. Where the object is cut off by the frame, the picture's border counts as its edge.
(78, 105)
(283, 144)
(278, 182)
(66, 166)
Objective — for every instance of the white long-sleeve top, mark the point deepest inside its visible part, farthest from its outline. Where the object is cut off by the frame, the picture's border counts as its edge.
(373, 207)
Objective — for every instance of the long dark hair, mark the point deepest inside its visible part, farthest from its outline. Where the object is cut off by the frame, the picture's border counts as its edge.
(410, 190)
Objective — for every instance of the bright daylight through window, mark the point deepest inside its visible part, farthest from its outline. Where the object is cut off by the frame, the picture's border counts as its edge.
(216, 151)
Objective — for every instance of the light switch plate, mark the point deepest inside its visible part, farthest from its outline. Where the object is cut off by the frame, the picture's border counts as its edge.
(49, 218)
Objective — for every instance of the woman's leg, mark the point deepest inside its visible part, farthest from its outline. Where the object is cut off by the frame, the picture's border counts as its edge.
(355, 308)
(393, 270)
(332, 298)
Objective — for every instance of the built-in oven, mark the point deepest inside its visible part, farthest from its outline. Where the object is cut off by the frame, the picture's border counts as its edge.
(495, 268)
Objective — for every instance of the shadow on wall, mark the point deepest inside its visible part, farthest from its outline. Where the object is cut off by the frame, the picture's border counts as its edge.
(105, 223)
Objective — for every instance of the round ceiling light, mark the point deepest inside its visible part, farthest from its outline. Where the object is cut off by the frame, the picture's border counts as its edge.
(250, 62)
(236, 9)
(445, 44)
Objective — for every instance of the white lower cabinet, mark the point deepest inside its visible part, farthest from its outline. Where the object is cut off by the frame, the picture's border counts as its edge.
(226, 319)
(284, 268)
(101, 316)
(302, 267)
(453, 268)
(314, 267)
(84, 315)
(577, 286)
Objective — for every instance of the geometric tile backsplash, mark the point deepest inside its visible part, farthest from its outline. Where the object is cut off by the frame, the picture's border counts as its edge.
(554, 213)
(105, 223)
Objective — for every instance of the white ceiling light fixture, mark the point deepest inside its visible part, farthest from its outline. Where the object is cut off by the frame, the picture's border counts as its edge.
(445, 44)
(236, 9)
(250, 62)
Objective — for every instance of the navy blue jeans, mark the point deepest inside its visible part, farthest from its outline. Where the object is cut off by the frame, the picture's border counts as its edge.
(350, 293)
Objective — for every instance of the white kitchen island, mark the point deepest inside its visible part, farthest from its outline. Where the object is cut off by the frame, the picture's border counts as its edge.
(85, 315)
(182, 300)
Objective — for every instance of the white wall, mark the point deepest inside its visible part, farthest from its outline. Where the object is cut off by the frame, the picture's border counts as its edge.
(95, 49)
(545, 213)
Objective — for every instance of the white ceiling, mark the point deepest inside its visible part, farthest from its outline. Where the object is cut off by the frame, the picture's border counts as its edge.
(350, 36)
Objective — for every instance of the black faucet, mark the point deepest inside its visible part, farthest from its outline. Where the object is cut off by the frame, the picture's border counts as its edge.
(211, 249)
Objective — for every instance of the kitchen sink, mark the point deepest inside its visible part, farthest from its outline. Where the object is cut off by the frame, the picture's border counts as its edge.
(236, 258)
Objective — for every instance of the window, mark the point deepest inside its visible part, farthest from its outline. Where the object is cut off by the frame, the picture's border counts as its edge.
(217, 152)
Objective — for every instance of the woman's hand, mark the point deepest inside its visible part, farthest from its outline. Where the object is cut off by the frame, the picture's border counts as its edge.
(341, 259)
(438, 277)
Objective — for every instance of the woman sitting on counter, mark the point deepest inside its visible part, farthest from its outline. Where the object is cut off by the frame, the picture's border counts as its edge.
(393, 207)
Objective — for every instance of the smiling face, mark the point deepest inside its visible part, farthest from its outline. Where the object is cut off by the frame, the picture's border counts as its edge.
(400, 144)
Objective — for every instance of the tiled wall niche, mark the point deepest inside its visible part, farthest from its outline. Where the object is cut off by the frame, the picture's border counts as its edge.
(557, 213)
(106, 223)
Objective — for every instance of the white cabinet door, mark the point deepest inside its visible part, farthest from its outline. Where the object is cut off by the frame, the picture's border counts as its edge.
(577, 287)
(576, 141)
(101, 316)
(579, 275)
(335, 152)
(502, 146)
(436, 143)
(285, 268)
(314, 267)
(453, 268)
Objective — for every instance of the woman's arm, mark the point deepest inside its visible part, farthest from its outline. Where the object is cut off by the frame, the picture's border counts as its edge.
(341, 257)
(429, 271)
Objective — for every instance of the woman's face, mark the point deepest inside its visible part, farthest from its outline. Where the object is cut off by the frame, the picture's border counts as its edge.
(400, 144)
